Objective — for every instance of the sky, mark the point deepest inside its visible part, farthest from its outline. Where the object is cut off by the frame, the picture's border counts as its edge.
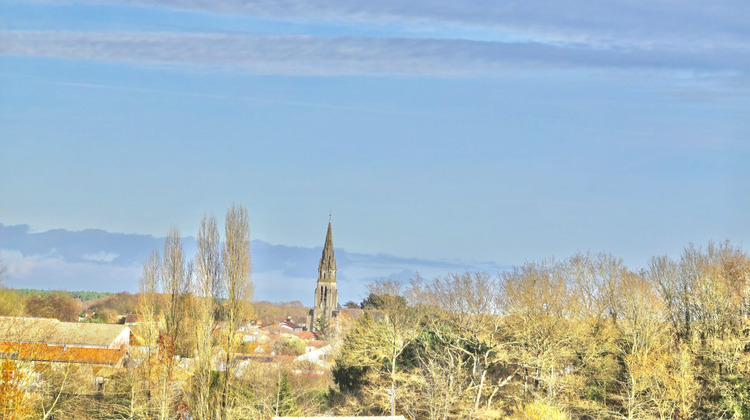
(477, 135)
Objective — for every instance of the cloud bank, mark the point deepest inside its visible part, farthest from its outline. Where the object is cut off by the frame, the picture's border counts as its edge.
(102, 261)
(450, 38)
(346, 56)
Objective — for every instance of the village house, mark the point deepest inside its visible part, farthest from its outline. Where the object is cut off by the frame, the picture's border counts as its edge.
(288, 323)
(321, 353)
(49, 340)
(87, 316)
(255, 335)
(277, 330)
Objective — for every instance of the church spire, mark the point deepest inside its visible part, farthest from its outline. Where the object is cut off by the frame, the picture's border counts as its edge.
(326, 293)
(327, 266)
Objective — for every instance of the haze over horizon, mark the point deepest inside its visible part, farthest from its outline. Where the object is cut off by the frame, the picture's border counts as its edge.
(480, 134)
(96, 260)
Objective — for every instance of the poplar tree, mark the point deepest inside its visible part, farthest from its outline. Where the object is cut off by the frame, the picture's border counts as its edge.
(238, 287)
(175, 282)
(207, 289)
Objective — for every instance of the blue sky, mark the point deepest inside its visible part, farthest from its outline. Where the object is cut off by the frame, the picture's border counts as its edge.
(437, 130)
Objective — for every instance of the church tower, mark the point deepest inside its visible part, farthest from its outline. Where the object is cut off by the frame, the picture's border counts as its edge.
(326, 295)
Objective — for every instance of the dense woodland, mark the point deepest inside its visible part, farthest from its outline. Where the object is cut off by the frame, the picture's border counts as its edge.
(583, 337)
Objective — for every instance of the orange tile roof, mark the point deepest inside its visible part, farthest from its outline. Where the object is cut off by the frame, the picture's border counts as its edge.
(71, 354)
(318, 343)
(306, 335)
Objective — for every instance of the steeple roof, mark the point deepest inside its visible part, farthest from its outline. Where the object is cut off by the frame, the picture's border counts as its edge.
(327, 266)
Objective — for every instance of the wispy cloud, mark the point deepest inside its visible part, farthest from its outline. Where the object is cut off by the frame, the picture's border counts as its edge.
(625, 22)
(341, 56)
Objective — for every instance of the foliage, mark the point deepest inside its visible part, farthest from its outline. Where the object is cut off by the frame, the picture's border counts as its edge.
(53, 305)
(11, 303)
(104, 316)
(584, 337)
(538, 410)
(272, 313)
(119, 303)
(382, 301)
(735, 396)
(322, 327)
(16, 401)
(292, 346)
(286, 404)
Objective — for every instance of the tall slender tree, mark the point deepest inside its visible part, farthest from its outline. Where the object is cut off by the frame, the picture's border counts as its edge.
(175, 282)
(148, 303)
(207, 291)
(175, 285)
(238, 287)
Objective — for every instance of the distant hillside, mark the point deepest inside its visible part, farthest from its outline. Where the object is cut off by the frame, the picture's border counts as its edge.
(95, 259)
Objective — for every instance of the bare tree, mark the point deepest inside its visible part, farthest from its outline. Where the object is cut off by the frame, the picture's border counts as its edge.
(175, 283)
(400, 327)
(238, 287)
(63, 386)
(468, 304)
(148, 309)
(175, 279)
(207, 291)
(3, 272)
(664, 274)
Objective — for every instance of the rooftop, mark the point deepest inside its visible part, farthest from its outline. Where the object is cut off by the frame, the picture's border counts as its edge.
(44, 352)
(53, 332)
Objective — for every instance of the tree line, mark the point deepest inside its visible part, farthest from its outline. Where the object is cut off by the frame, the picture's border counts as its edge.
(584, 337)
(67, 306)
